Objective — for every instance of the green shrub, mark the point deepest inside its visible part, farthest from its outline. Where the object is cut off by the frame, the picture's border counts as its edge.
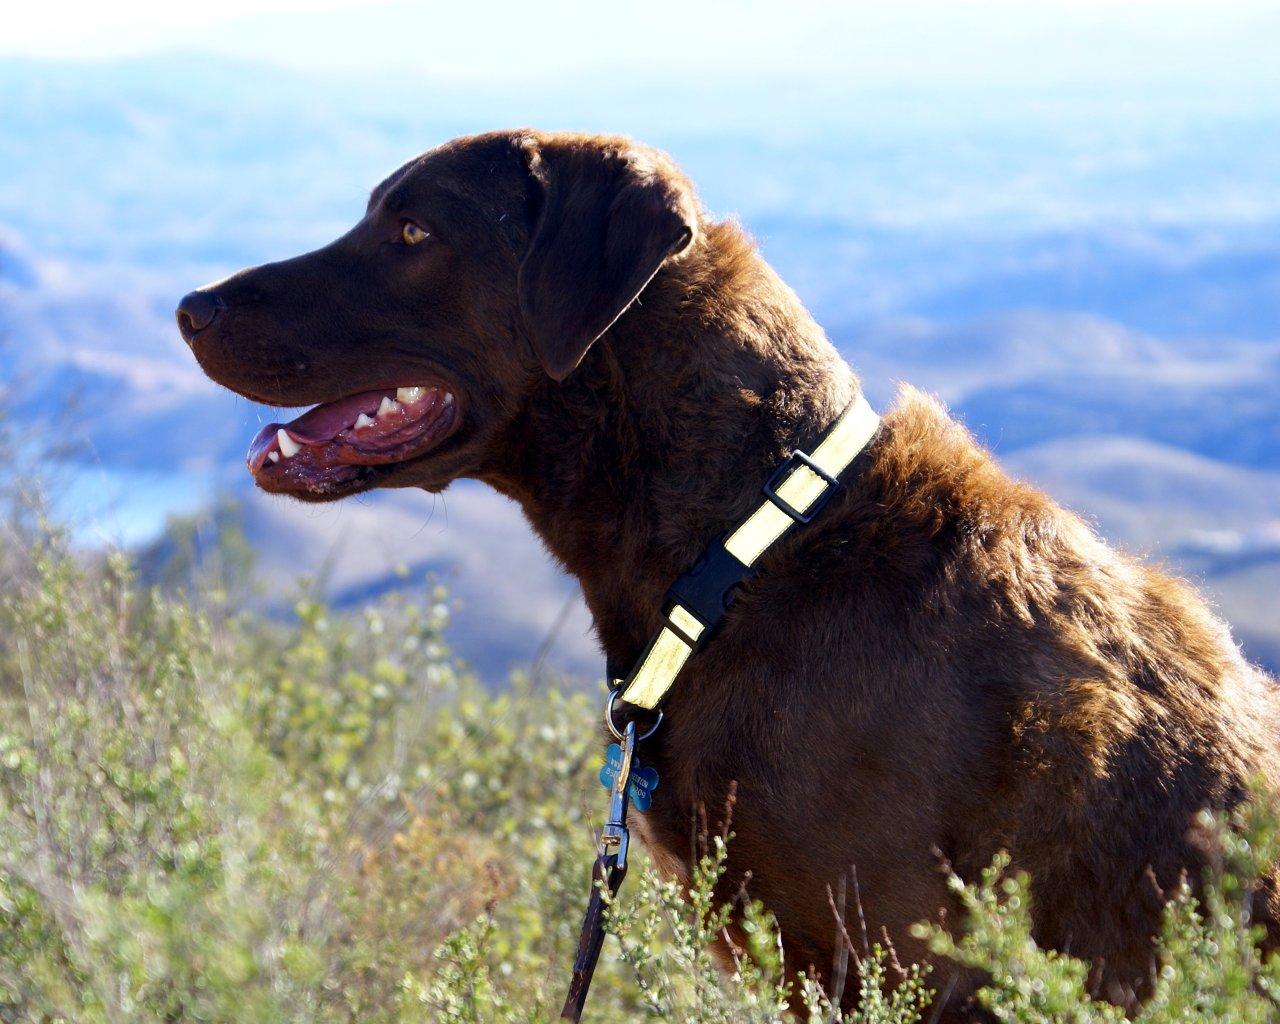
(210, 816)
(1210, 968)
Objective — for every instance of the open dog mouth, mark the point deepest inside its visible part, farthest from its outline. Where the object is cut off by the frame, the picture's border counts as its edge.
(339, 443)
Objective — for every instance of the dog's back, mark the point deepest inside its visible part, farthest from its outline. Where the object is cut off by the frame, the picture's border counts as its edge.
(1125, 706)
(979, 673)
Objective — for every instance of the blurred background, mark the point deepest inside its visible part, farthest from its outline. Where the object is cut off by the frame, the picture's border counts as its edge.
(1062, 217)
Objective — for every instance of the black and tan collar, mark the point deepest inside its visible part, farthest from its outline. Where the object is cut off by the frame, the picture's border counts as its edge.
(698, 600)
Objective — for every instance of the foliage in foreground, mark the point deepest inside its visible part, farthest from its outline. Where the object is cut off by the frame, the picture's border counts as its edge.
(210, 817)
(1209, 967)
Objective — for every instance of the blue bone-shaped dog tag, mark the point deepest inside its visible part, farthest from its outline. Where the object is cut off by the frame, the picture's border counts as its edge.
(640, 786)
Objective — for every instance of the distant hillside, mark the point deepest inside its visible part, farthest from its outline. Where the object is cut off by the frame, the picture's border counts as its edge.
(1149, 496)
(510, 606)
(1236, 420)
(1218, 525)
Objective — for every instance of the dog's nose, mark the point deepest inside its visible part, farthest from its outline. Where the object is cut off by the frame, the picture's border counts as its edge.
(196, 311)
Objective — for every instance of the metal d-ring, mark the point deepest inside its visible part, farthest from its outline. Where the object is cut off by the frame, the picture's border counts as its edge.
(617, 734)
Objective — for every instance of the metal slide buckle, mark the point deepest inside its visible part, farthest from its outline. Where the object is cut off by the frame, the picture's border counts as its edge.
(783, 472)
(618, 733)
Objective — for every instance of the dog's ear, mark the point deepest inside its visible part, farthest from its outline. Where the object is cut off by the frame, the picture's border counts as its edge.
(609, 216)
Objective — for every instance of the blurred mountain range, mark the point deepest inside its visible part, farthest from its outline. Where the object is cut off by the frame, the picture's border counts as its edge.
(1092, 283)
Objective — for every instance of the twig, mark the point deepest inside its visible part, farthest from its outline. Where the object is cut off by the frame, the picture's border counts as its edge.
(548, 643)
(840, 964)
(857, 902)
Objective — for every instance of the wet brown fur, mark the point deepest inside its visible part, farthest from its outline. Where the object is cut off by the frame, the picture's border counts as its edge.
(946, 664)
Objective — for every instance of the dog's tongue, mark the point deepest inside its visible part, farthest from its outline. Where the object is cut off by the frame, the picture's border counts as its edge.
(325, 421)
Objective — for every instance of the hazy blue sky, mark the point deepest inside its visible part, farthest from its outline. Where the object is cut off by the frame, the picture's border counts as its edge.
(1220, 44)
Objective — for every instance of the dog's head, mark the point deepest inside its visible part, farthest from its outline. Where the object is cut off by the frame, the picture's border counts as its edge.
(478, 270)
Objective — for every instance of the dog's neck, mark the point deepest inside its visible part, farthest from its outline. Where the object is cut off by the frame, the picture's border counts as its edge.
(665, 433)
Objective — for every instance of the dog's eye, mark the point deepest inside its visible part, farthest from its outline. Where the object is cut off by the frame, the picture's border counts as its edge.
(412, 234)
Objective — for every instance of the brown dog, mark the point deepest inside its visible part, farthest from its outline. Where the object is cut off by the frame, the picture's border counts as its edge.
(944, 661)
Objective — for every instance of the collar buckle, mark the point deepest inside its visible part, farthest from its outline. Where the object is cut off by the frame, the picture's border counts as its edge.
(708, 588)
(780, 475)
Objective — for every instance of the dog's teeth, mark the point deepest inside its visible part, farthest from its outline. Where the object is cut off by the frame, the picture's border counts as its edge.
(274, 456)
(364, 420)
(387, 406)
(288, 446)
(410, 394)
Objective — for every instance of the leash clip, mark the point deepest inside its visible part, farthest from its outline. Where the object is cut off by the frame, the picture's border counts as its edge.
(615, 837)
